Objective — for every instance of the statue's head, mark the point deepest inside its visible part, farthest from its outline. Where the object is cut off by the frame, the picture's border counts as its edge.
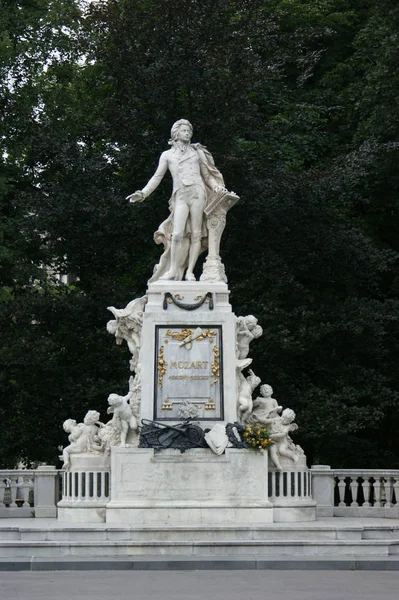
(114, 400)
(251, 322)
(266, 390)
(92, 416)
(68, 425)
(288, 415)
(112, 327)
(181, 128)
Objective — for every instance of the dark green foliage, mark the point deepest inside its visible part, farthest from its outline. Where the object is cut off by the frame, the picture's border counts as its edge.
(297, 100)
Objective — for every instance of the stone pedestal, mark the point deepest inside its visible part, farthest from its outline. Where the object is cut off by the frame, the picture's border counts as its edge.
(186, 367)
(323, 489)
(45, 491)
(196, 488)
(290, 492)
(85, 489)
(200, 372)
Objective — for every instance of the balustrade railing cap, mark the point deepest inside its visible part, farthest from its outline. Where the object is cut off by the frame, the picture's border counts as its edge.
(46, 468)
(321, 467)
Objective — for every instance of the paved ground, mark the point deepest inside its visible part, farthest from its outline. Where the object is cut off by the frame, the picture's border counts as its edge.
(200, 585)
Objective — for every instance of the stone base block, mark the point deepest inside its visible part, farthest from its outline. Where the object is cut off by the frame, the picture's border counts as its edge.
(81, 515)
(181, 517)
(296, 512)
(46, 512)
(194, 488)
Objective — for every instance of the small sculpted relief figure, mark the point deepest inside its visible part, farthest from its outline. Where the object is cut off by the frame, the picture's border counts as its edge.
(195, 180)
(127, 326)
(280, 428)
(264, 407)
(187, 410)
(247, 329)
(83, 437)
(123, 417)
(246, 386)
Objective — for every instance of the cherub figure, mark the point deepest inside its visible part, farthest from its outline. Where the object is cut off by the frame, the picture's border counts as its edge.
(83, 437)
(122, 411)
(127, 326)
(247, 329)
(264, 406)
(246, 386)
(280, 428)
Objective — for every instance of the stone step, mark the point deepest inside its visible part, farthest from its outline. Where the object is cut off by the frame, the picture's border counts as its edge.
(170, 534)
(217, 548)
(203, 563)
(381, 532)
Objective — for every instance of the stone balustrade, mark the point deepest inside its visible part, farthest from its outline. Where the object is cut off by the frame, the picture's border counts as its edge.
(85, 486)
(289, 484)
(29, 493)
(356, 492)
(337, 492)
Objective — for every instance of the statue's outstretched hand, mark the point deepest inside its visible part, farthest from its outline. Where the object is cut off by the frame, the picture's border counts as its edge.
(136, 197)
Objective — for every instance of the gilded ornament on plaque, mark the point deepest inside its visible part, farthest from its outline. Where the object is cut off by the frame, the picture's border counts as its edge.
(215, 366)
(179, 335)
(162, 366)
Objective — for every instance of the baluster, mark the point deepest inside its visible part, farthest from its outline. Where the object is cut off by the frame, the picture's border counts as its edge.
(13, 491)
(284, 483)
(73, 485)
(388, 492)
(353, 487)
(68, 485)
(396, 490)
(97, 477)
(107, 485)
(383, 496)
(2, 489)
(310, 484)
(91, 493)
(377, 492)
(299, 483)
(24, 487)
(366, 492)
(341, 491)
(294, 487)
(102, 489)
(85, 491)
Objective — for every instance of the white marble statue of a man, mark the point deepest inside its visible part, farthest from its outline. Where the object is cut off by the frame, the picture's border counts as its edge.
(195, 178)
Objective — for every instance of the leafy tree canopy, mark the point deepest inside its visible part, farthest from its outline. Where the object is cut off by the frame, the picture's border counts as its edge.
(297, 101)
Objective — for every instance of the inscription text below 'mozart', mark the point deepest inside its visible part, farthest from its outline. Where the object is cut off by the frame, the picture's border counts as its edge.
(189, 373)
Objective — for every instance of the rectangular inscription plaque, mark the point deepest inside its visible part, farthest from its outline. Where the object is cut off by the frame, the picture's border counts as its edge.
(188, 373)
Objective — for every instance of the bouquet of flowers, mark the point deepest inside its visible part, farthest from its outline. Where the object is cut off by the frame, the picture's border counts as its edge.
(257, 437)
